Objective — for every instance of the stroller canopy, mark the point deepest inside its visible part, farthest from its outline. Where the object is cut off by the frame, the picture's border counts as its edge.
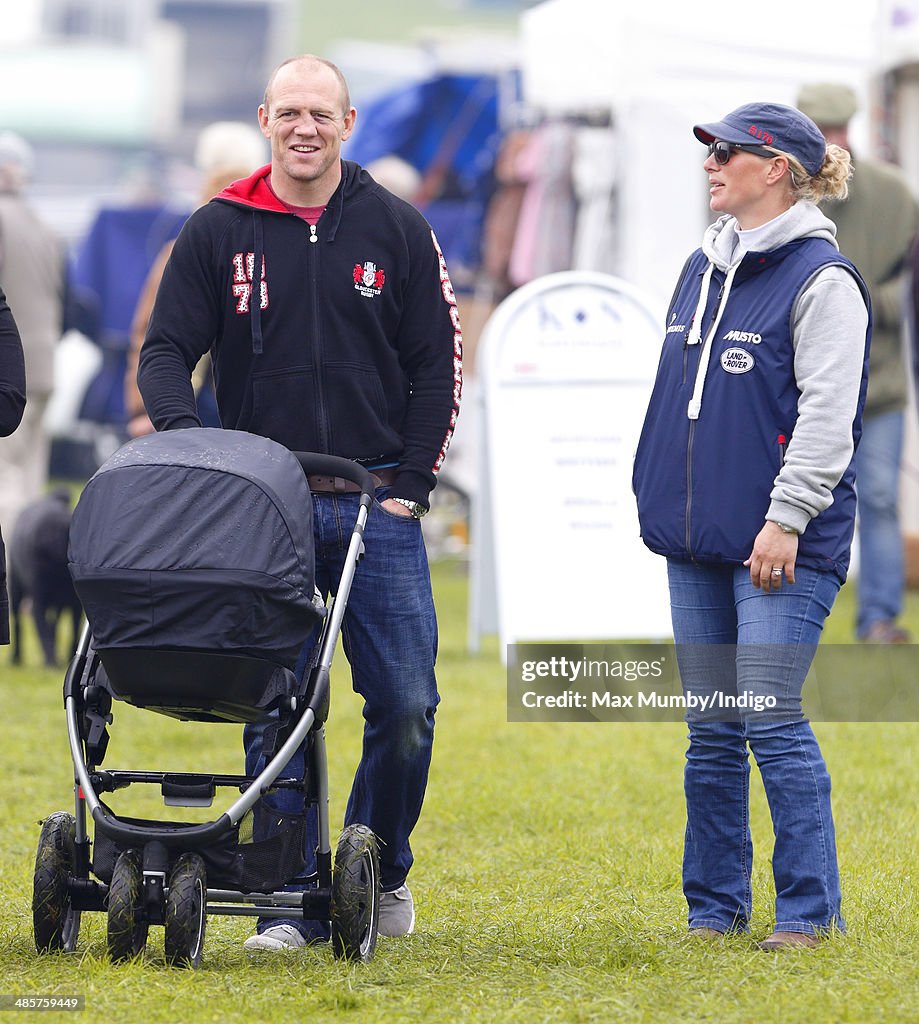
(197, 539)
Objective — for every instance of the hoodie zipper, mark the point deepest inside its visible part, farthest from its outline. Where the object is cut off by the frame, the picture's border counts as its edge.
(322, 418)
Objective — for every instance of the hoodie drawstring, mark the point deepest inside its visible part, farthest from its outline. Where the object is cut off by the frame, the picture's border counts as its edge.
(255, 294)
(695, 330)
(695, 333)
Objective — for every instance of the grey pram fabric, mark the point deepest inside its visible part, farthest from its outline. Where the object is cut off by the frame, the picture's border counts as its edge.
(197, 539)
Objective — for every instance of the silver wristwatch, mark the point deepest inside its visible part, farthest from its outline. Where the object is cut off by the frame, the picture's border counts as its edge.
(787, 529)
(415, 507)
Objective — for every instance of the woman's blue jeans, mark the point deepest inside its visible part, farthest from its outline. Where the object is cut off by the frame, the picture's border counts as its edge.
(389, 636)
(735, 638)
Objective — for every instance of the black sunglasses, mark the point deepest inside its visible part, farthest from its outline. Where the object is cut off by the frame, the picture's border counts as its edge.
(722, 151)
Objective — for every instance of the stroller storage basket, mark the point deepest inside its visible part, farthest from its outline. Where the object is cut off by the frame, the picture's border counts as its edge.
(231, 863)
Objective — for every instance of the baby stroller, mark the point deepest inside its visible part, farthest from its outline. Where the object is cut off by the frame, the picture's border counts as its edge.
(192, 554)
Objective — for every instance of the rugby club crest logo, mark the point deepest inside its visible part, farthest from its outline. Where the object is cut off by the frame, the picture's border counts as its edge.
(368, 279)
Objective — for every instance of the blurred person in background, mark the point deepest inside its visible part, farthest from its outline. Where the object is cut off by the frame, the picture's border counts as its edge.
(875, 227)
(33, 276)
(110, 264)
(12, 405)
(225, 151)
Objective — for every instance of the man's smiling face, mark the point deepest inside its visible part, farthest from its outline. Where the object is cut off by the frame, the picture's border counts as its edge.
(306, 119)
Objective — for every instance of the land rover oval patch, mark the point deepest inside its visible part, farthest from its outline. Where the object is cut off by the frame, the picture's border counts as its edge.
(737, 360)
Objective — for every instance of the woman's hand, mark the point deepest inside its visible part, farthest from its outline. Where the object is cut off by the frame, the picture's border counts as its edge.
(773, 556)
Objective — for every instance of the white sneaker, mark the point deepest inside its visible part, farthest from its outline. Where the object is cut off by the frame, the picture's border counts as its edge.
(397, 913)
(281, 936)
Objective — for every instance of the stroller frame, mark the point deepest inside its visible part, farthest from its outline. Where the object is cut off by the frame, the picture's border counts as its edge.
(158, 877)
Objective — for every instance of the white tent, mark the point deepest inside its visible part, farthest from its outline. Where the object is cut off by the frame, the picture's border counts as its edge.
(661, 66)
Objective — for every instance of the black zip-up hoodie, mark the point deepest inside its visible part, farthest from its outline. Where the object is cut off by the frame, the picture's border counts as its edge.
(352, 347)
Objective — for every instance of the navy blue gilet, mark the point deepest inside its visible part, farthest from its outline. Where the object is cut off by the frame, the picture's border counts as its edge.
(703, 486)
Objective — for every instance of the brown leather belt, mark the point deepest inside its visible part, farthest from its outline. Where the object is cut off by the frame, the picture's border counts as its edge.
(339, 485)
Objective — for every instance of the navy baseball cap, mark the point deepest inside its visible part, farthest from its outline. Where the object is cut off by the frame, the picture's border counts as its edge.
(770, 124)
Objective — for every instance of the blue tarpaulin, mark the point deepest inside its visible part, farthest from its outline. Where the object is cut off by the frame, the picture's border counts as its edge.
(447, 128)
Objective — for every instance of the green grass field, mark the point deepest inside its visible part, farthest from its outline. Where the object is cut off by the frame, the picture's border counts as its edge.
(547, 877)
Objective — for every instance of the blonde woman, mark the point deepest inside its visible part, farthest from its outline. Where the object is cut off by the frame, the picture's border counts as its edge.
(744, 477)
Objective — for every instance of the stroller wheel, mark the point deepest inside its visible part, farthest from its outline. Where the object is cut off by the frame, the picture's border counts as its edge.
(355, 908)
(186, 911)
(127, 917)
(55, 922)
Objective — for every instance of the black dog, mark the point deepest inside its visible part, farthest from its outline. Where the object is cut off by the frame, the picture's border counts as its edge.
(38, 571)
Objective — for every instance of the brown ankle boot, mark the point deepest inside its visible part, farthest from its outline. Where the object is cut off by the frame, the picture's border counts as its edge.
(782, 940)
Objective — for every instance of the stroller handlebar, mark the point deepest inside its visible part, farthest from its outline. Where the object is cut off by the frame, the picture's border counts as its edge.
(334, 465)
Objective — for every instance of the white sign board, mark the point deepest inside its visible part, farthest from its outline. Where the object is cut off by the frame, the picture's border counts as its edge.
(567, 364)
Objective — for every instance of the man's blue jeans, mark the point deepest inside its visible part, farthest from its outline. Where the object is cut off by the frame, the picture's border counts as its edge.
(389, 636)
(880, 563)
(732, 637)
